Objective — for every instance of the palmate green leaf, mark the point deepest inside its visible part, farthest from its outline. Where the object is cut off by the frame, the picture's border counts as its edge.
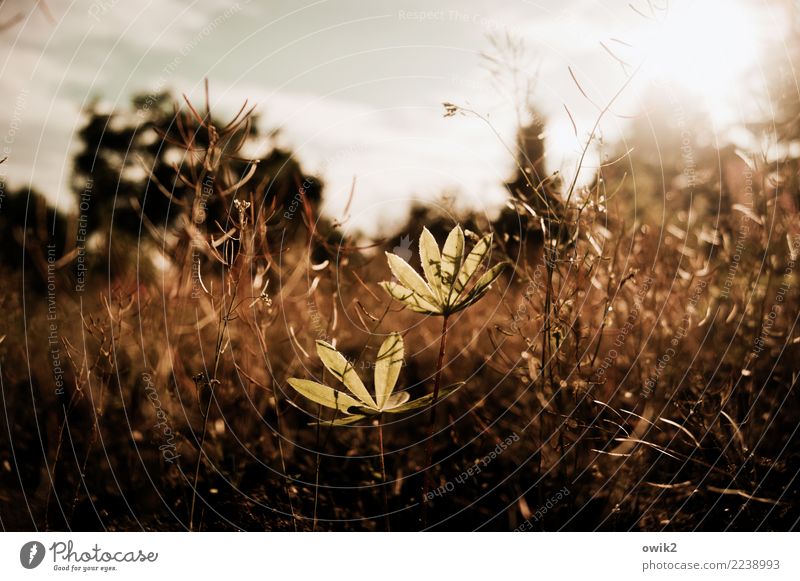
(409, 298)
(324, 395)
(452, 253)
(387, 368)
(409, 278)
(431, 261)
(449, 275)
(343, 370)
(425, 400)
(473, 261)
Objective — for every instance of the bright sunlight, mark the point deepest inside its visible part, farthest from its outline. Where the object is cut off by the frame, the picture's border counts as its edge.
(705, 47)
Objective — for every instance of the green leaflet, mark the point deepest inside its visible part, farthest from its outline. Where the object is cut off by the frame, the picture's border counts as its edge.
(345, 421)
(387, 368)
(425, 400)
(397, 399)
(452, 253)
(343, 370)
(409, 298)
(482, 286)
(324, 395)
(409, 278)
(473, 262)
(431, 261)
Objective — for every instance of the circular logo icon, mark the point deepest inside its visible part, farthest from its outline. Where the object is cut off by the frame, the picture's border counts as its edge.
(31, 554)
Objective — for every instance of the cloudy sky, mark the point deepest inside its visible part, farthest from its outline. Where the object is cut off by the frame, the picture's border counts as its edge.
(357, 86)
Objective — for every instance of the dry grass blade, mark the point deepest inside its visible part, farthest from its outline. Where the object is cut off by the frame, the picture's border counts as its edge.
(742, 493)
(682, 429)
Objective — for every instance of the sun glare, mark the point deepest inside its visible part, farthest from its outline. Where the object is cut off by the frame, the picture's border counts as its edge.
(703, 46)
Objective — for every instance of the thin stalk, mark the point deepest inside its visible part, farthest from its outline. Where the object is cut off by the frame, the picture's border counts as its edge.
(200, 459)
(383, 474)
(548, 261)
(432, 423)
(225, 318)
(316, 471)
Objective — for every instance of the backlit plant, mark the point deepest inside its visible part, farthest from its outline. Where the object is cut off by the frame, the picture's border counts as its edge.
(451, 285)
(360, 403)
(447, 287)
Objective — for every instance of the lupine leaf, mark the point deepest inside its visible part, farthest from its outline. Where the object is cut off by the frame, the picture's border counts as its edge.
(489, 277)
(409, 298)
(482, 286)
(448, 275)
(431, 261)
(397, 399)
(473, 262)
(425, 400)
(387, 368)
(324, 395)
(409, 278)
(452, 253)
(345, 421)
(343, 370)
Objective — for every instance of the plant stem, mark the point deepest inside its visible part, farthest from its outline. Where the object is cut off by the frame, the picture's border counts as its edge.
(199, 460)
(225, 315)
(383, 475)
(432, 424)
(316, 471)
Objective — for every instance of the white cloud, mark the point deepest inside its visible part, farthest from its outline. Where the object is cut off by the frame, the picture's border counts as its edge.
(356, 89)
